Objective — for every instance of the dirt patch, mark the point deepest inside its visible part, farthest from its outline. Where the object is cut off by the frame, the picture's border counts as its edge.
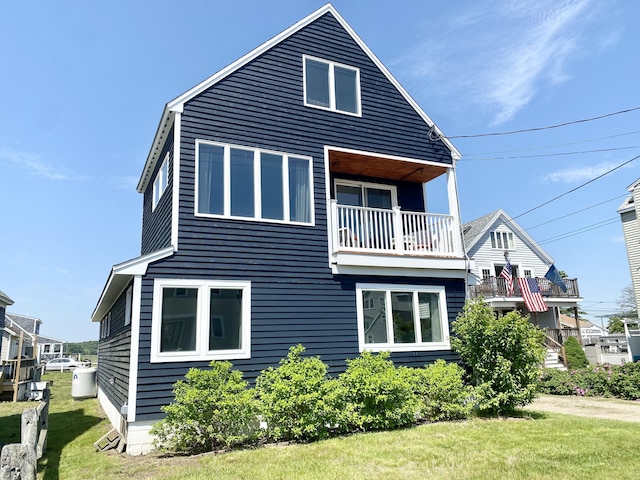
(607, 408)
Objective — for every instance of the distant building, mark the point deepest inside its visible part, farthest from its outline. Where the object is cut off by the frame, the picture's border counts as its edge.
(631, 227)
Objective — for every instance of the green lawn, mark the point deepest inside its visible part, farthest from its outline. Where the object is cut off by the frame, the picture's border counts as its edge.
(536, 446)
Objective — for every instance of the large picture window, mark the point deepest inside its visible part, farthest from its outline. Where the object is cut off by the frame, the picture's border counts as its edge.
(241, 182)
(331, 86)
(402, 317)
(196, 320)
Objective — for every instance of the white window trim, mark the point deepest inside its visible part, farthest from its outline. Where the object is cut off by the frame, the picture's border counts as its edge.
(379, 186)
(161, 182)
(202, 351)
(404, 347)
(510, 237)
(256, 185)
(105, 326)
(332, 88)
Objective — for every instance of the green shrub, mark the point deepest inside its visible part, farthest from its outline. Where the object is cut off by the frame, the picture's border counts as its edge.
(212, 409)
(625, 381)
(504, 355)
(441, 390)
(557, 382)
(297, 401)
(576, 358)
(377, 395)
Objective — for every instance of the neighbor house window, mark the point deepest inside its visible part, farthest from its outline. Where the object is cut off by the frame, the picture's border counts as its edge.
(502, 240)
(402, 317)
(200, 320)
(331, 86)
(241, 182)
(161, 181)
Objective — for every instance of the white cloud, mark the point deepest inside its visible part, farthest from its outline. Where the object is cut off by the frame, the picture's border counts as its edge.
(580, 173)
(33, 165)
(500, 55)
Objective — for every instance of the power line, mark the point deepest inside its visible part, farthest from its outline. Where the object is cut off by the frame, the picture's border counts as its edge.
(536, 129)
(558, 154)
(573, 233)
(553, 146)
(577, 211)
(578, 187)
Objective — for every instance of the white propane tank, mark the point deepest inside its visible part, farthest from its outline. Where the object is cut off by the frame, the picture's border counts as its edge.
(84, 383)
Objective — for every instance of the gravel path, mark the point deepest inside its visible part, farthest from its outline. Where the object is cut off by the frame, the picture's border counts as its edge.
(595, 407)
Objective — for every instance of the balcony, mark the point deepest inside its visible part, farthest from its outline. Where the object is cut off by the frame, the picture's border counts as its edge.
(493, 287)
(363, 236)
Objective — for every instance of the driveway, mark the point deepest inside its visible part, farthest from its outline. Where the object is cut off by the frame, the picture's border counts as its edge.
(594, 407)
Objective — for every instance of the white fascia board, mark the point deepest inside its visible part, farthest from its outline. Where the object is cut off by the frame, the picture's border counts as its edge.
(4, 300)
(626, 206)
(166, 120)
(633, 186)
(120, 277)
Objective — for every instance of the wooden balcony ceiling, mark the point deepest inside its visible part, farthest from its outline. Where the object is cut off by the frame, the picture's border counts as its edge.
(381, 167)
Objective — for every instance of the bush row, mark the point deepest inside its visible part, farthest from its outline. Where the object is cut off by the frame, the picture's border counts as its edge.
(620, 381)
(216, 408)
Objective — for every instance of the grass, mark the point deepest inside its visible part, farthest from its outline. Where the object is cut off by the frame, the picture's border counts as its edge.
(534, 446)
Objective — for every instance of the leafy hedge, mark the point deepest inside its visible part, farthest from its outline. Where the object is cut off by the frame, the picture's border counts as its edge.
(619, 381)
(576, 358)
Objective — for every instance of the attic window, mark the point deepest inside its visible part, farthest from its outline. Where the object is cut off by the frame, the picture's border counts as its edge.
(331, 86)
(502, 241)
(161, 181)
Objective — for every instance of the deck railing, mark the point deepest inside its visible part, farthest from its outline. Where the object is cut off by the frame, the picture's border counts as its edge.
(379, 230)
(497, 287)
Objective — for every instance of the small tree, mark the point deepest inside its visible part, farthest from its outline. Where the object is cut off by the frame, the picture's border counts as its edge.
(504, 355)
(615, 325)
(576, 358)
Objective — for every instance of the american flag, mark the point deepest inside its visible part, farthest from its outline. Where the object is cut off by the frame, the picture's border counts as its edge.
(531, 295)
(506, 274)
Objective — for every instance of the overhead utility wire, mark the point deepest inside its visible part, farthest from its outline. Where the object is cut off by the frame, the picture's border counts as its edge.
(536, 129)
(577, 188)
(558, 154)
(577, 211)
(573, 233)
(553, 146)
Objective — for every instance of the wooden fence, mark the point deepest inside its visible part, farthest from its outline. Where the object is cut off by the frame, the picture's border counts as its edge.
(20, 460)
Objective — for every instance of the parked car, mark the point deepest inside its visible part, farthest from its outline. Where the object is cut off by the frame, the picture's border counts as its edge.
(61, 364)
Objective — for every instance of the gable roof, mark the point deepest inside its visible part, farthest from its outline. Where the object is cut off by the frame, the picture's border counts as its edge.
(23, 322)
(4, 299)
(476, 229)
(177, 104)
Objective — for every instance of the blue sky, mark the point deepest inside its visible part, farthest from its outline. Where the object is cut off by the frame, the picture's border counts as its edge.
(83, 85)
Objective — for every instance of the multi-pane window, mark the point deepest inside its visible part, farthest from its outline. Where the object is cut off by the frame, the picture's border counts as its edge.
(402, 317)
(502, 240)
(200, 320)
(249, 183)
(486, 273)
(105, 326)
(331, 86)
(128, 300)
(161, 181)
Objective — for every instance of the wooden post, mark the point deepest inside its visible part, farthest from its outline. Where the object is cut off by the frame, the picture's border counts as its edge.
(16, 380)
(575, 315)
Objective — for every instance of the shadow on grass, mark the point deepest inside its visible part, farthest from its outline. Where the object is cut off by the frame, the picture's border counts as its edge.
(10, 429)
(64, 428)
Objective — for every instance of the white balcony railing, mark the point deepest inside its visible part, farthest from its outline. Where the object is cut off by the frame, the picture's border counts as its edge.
(378, 230)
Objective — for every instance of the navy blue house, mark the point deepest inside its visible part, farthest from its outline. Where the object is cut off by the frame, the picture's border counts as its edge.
(284, 202)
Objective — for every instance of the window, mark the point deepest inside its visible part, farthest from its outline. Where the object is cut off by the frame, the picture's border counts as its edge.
(161, 181)
(105, 326)
(128, 296)
(486, 273)
(502, 240)
(331, 86)
(200, 320)
(241, 182)
(402, 317)
(527, 273)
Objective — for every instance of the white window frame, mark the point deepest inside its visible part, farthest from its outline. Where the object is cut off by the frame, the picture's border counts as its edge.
(403, 347)
(364, 185)
(161, 182)
(202, 351)
(506, 240)
(257, 198)
(105, 326)
(332, 85)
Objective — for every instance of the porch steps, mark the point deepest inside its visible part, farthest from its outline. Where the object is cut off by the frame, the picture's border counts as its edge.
(552, 360)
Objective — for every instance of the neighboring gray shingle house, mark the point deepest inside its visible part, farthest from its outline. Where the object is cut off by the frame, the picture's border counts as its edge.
(284, 203)
(631, 228)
